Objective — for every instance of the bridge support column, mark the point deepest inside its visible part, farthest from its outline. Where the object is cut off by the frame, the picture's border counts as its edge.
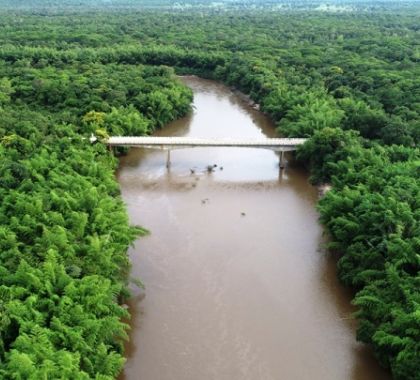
(168, 158)
(281, 162)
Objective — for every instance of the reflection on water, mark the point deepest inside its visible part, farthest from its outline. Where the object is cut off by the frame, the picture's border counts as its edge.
(238, 286)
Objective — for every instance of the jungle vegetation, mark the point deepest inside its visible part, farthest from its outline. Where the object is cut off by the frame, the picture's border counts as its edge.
(349, 80)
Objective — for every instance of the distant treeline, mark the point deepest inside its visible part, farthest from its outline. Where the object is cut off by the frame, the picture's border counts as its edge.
(335, 6)
(350, 82)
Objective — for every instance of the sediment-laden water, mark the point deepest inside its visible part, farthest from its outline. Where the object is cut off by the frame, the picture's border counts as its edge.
(238, 286)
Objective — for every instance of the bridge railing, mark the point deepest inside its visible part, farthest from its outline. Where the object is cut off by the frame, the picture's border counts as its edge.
(191, 142)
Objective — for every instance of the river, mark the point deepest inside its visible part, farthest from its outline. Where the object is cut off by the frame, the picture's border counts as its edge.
(237, 284)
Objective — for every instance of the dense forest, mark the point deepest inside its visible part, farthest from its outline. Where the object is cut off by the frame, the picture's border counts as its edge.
(348, 79)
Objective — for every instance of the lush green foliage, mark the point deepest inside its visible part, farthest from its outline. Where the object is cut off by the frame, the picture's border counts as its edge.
(348, 80)
(64, 230)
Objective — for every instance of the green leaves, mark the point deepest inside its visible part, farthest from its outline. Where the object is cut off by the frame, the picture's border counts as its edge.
(64, 231)
(390, 320)
(6, 90)
(324, 151)
(303, 120)
(340, 80)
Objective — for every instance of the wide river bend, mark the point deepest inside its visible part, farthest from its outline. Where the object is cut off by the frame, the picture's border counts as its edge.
(238, 286)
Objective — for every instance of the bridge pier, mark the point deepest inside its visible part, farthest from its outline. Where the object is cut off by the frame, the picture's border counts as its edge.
(168, 158)
(281, 161)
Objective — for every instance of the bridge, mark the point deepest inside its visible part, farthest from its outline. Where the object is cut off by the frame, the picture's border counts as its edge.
(169, 143)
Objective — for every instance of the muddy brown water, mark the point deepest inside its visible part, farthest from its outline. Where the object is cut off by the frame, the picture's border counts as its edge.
(237, 284)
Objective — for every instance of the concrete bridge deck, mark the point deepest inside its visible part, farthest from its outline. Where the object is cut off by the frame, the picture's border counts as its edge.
(169, 143)
(276, 144)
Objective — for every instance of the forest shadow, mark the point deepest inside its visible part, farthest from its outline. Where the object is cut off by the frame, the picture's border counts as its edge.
(365, 366)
